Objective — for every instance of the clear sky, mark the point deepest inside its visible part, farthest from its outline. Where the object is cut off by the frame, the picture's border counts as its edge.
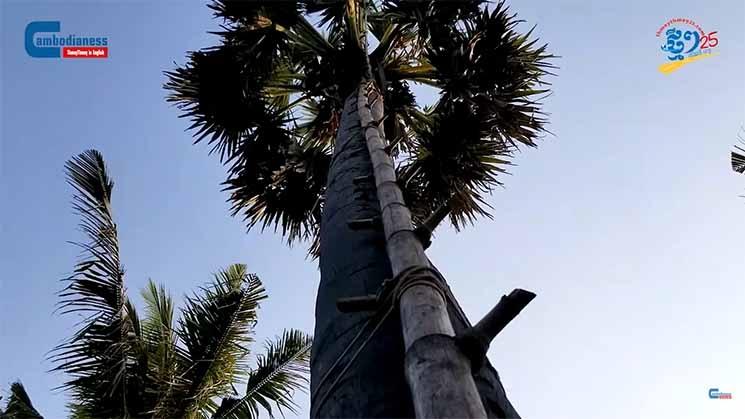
(626, 223)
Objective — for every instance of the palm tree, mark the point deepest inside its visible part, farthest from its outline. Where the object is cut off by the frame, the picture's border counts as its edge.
(122, 365)
(323, 140)
(19, 404)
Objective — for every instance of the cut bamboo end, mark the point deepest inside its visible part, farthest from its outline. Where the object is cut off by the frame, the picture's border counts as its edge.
(474, 342)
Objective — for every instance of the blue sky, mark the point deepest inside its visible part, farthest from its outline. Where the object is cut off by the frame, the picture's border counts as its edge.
(626, 222)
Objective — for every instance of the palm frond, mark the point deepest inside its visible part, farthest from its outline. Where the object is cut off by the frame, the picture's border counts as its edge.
(280, 371)
(215, 329)
(738, 160)
(261, 13)
(321, 122)
(454, 164)
(434, 20)
(490, 77)
(401, 112)
(245, 112)
(159, 341)
(102, 356)
(332, 13)
(77, 411)
(280, 190)
(223, 98)
(19, 404)
(738, 156)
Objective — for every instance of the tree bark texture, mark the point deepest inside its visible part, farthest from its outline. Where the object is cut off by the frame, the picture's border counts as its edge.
(438, 373)
(355, 263)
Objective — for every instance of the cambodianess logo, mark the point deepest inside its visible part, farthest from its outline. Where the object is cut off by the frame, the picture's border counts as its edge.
(43, 40)
(685, 42)
(714, 393)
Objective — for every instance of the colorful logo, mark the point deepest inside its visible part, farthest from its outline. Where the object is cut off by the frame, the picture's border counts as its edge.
(714, 393)
(42, 41)
(685, 42)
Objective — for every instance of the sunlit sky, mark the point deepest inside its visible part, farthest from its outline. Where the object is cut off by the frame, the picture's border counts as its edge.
(626, 221)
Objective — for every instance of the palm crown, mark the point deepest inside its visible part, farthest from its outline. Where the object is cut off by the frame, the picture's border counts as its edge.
(124, 365)
(268, 99)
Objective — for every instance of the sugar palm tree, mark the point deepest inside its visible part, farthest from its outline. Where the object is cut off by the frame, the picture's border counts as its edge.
(19, 404)
(310, 107)
(122, 365)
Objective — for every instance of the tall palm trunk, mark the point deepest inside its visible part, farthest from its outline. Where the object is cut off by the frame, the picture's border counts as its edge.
(438, 373)
(355, 263)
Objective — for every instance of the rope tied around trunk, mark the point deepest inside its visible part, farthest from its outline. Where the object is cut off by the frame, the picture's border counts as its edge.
(389, 294)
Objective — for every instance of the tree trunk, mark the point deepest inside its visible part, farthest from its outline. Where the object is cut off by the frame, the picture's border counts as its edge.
(354, 263)
(438, 373)
(492, 393)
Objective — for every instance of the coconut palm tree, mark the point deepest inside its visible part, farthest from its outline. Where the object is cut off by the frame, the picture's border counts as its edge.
(309, 105)
(124, 365)
(19, 404)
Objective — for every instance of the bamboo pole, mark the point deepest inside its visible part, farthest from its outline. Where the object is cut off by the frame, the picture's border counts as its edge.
(438, 373)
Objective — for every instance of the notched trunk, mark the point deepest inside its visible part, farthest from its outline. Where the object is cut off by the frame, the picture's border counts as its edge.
(354, 263)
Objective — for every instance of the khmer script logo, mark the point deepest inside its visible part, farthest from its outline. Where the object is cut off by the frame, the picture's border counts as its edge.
(684, 42)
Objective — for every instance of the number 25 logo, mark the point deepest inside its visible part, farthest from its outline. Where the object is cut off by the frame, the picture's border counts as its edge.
(710, 40)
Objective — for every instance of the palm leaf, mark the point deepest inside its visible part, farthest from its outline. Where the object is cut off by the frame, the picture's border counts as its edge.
(223, 98)
(215, 330)
(738, 156)
(245, 113)
(19, 404)
(332, 13)
(280, 187)
(489, 76)
(159, 341)
(284, 13)
(321, 122)
(280, 371)
(738, 160)
(102, 356)
(454, 165)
